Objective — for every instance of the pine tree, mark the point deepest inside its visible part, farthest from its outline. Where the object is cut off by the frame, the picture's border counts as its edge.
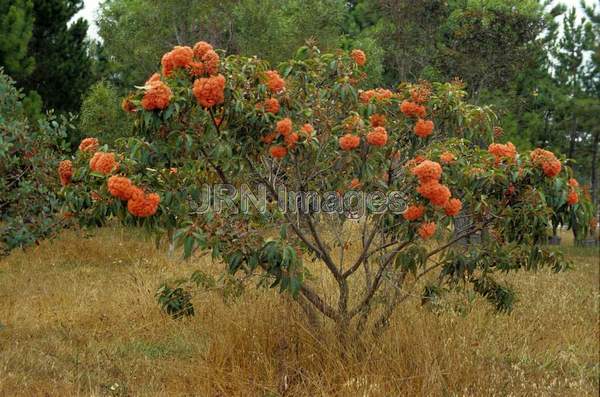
(62, 63)
(16, 25)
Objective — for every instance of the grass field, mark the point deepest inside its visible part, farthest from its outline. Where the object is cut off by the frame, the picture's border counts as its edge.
(78, 317)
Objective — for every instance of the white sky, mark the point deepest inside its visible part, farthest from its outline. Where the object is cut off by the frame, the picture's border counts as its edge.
(90, 11)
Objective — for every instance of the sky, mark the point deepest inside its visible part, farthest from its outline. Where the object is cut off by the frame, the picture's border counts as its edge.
(90, 10)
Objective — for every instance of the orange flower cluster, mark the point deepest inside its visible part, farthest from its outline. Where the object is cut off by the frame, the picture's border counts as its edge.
(307, 129)
(209, 91)
(572, 197)
(270, 105)
(501, 152)
(453, 207)
(275, 83)
(547, 160)
(89, 145)
(447, 158)
(349, 142)
(412, 109)
(420, 94)
(278, 151)
(65, 172)
(414, 212)
(206, 62)
(428, 171)
(120, 187)
(426, 230)
(158, 94)
(178, 57)
(377, 120)
(284, 127)
(359, 57)
(201, 48)
(378, 94)
(269, 138)
(141, 204)
(435, 192)
(291, 140)
(377, 137)
(103, 163)
(424, 128)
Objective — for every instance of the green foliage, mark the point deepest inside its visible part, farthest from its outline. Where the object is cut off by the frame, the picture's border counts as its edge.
(176, 302)
(511, 198)
(101, 115)
(273, 29)
(29, 157)
(16, 24)
(62, 70)
(269, 29)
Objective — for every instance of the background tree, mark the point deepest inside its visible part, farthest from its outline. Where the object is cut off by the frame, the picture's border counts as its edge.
(62, 64)
(591, 83)
(16, 25)
(270, 29)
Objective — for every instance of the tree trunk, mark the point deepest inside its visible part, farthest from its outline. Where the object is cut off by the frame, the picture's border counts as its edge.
(572, 137)
(594, 170)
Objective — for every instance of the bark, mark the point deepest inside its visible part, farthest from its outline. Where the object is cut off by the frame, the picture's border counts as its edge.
(594, 171)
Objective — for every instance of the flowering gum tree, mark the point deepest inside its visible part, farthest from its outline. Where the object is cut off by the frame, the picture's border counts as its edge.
(310, 126)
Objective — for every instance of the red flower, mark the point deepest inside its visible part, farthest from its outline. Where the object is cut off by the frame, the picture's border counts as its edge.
(447, 158)
(275, 83)
(157, 96)
(378, 94)
(89, 145)
(572, 198)
(291, 140)
(349, 142)
(377, 120)
(284, 127)
(120, 187)
(377, 137)
(435, 192)
(278, 151)
(411, 109)
(427, 171)
(426, 230)
(201, 48)
(453, 207)
(552, 168)
(209, 91)
(269, 138)
(547, 161)
(271, 105)
(178, 57)
(423, 128)
(65, 172)
(420, 94)
(307, 129)
(359, 57)
(414, 212)
(142, 205)
(503, 152)
(103, 163)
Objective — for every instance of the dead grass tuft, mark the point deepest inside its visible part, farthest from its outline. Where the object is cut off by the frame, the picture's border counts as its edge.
(79, 317)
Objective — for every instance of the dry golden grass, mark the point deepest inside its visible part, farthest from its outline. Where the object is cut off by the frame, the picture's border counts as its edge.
(79, 317)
